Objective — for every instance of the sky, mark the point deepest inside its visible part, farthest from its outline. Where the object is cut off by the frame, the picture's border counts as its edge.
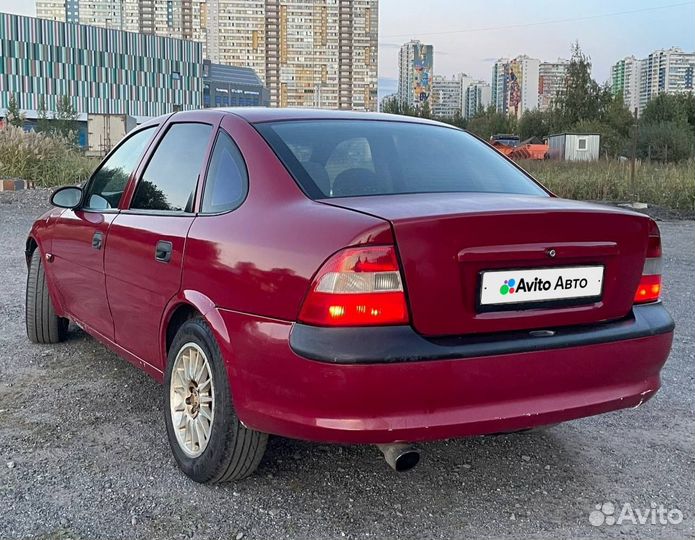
(469, 35)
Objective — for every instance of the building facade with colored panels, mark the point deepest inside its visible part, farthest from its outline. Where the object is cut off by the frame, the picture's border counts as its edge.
(101, 70)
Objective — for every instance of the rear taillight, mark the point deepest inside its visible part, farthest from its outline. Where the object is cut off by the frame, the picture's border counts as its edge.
(357, 287)
(649, 288)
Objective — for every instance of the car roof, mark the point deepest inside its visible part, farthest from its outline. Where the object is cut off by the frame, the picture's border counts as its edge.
(255, 115)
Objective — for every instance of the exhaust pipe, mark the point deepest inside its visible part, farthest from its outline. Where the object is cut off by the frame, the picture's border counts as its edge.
(401, 457)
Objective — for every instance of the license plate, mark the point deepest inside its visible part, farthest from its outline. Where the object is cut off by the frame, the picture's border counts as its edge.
(531, 285)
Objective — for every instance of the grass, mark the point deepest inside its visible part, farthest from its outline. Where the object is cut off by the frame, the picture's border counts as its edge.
(45, 159)
(666, 185)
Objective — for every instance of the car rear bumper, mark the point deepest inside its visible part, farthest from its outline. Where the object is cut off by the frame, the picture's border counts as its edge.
(365, 389)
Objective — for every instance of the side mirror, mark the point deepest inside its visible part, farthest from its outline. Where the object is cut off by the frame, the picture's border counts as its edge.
(66, 197)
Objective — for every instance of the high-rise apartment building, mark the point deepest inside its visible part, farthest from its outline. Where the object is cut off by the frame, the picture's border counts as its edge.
(309, 53)
(626, 76)
(552, 77)
(236, 33)
(515, 85)
(498, 85)
(171, 18)
(477, 98)
(415, 74)
(668, 71)
(317, 53)
(59, 10)
(448, 95)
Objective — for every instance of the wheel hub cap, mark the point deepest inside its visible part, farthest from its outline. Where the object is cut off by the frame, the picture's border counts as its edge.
(192, 399)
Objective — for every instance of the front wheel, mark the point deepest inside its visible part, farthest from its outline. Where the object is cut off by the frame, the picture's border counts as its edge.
(207, 439)
(43, 325)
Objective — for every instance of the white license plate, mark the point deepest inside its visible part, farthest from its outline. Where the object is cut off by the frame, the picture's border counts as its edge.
(540, 285)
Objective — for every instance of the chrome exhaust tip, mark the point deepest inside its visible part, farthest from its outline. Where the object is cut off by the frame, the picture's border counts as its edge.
(401, 457)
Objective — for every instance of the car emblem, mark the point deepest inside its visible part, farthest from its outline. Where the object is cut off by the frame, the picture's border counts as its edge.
(551, 253)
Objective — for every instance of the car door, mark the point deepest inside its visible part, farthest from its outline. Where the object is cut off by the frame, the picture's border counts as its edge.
(79, 236)
(144, 256)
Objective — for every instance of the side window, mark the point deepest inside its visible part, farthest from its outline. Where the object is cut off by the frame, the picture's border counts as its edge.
(108, 183)
(170, 178)
(227, 179)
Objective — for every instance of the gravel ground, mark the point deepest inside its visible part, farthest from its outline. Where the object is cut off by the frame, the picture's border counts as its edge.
(83, 451)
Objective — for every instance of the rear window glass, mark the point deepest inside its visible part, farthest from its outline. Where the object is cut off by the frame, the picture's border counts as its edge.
(346, 158)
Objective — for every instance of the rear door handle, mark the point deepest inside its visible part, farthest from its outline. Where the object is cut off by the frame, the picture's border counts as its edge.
(97, 240)
(162, 252)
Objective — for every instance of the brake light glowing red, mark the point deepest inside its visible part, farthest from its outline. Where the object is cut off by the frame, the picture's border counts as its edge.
(357, 287)
(649, 288)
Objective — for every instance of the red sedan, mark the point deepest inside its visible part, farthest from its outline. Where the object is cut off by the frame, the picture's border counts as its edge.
(348, 278)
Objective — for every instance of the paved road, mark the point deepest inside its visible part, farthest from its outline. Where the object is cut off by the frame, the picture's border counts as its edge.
(83, 452)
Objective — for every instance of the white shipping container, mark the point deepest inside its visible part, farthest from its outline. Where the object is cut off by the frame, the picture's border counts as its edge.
(574, 146)
(104, 131)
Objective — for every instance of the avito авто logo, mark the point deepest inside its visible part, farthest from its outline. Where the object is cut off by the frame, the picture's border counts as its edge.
(510, 286)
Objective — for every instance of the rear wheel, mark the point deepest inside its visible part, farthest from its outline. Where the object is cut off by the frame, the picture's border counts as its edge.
(43, 325)
(207, 439)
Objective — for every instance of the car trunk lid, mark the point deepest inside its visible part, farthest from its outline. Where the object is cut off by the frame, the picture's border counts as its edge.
(448, 241)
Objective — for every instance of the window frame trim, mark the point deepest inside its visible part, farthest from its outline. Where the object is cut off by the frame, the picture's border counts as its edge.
(145, 162)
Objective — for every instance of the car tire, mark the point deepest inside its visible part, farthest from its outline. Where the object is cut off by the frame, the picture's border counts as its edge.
(230, 451)
(43, 325)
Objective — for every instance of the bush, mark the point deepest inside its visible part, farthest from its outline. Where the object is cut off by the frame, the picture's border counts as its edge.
(666, 141)
(43, 158)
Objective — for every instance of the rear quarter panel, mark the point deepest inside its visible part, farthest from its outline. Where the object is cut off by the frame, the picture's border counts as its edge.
(260, 257)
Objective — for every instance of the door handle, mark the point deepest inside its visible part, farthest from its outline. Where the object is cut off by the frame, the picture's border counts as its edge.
(162, 252)
(97, 240)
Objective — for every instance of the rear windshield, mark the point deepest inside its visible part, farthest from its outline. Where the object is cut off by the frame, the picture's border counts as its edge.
(348, 158)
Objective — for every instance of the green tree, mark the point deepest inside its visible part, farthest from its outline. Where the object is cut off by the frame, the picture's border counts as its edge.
(533, 124)
(457, 120)
(667, 128)
(394, 106)
(688, 101)
(390, 105)
(490, 122)
(582, 98)
(678, 108)
(15, 116)
(666, 141)
(43, 124)
(424, 111)
(616, 114)
(615, 125)
(65, 119)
